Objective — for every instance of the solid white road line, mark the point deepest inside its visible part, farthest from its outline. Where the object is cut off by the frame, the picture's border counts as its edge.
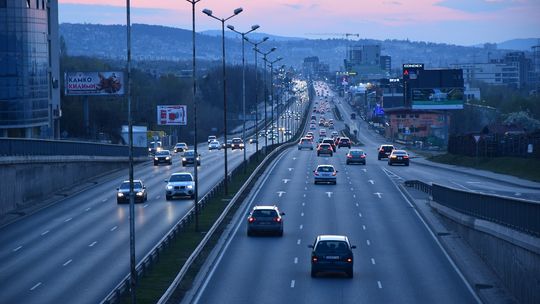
(114, 228)
(67, 263)
(35, 286)
(92, 245)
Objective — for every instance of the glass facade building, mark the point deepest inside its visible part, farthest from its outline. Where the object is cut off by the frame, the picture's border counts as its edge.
(26, 68)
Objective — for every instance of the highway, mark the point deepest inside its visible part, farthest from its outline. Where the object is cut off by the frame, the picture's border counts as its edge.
(397, 260)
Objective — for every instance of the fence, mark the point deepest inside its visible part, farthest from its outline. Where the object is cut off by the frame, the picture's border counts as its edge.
(495, 145)
(519, 214)
(43, 147)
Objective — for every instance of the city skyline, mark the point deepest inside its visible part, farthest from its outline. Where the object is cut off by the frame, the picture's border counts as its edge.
(461, 22)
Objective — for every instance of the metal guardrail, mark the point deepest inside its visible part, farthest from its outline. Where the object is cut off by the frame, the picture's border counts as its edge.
(45, 147)
(519, 214)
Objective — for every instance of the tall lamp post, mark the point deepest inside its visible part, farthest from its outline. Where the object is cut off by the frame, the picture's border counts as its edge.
(255, 44)
(265, 95)
(272, 93)
(194, 91)
(222, 20)
(253, 28)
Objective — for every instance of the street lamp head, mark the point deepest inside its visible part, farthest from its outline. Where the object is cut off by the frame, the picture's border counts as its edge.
(238, 10)
(230, 27)
(254, 27)
(207, 11)
(273, 49)
(265, 38)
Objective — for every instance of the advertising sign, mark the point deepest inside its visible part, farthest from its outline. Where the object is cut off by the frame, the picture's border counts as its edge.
(411, 70)
(437, 99)
(172, 115)
(94, 83)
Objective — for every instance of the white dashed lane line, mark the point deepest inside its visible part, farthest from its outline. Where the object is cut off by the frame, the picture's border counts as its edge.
(360, 214)
(17, 249)
(67, 220)
(145, 206)
(292, 283)
(303, 204)
(302, 214)
(301, 227)
(67, 262)
(299, 241)
(104, 200)
(357, 205)
(296, 260)
(93, 243)
(373, 261)
(44, 233)
(87, 209)
(363, 227)
(35, 286)
(368, 242)
(114, 228)
(379, 283)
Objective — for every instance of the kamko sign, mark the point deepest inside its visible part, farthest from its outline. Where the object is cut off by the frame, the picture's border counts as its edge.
(94, 83)
(172, 115)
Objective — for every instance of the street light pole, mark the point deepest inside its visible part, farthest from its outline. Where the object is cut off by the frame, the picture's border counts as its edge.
(272, 94)
(222, 20)
(265, 95)
(194, 91)
(132, 262)
(254, 27)
(255, 44)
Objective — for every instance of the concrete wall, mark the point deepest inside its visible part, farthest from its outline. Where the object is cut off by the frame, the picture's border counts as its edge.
(514, 256)
(25, 181)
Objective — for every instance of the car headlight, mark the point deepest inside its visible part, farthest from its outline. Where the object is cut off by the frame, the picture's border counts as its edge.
(241, 145)
(190, 186)
(198, 158)
(140, 193)
(183, 159)
(169, 187)
(167, 158)
(155, 158)
(120, 194)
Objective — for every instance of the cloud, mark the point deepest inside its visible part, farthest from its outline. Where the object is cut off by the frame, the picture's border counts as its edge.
(477, 6)
(393, 3)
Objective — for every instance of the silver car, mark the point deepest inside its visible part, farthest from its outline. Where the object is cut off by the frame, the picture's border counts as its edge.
(214, 145)
(324, 174)
(180, 184)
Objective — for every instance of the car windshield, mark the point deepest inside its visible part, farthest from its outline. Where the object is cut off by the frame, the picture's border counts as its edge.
(189, 153)
(387, 148)
(125, 185)
(237, 140)
(163, 153)
(264, 213)
(181, 178)
(325, 169)
(356, 153)
(332, 247)
(400, 153)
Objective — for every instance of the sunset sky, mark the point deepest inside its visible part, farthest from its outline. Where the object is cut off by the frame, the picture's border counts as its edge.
(463, 22)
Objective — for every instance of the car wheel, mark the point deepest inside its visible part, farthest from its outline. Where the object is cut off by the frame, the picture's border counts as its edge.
(350, 274)
(317, 154)
(155, 164)
(378, 158)
(183, 164)
(331, 154)
(280, 233)
(192, 196)
(313, 273)
(311, 149)
(406, 164)
(118, 201)
(299, 149)
(168, 197)
(249, 233)
(389, 163)
(335, 182)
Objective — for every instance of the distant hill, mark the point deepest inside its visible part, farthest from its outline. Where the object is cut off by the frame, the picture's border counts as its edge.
(255, 35)
(519, 44)
(152, 42)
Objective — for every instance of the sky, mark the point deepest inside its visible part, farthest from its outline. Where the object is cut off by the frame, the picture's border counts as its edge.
(461, 22)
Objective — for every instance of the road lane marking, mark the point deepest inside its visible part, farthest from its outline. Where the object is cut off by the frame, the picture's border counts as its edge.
(354, 195)
(380, 285)
(365, 170)
(145, 206)
(17, 249)
(357, 205)
(303, 204)
(363, 227)
(290, 169)
(92, 245)
(307, 182)
(373, 261)
(301, 227)
(69, 219)
(352, 189)
(67, 263)
(460, 185)
(298, 242)
(371, 181)
(368, 242)
(104, 200)
(44, 233)
(114, 228)
(296, 260)
(302, 214)
(305, 188)
(280, 193)
(329, 194)
(286, 180)
(378, 194)
(304, 195)
(87, 209)
(35, 286)
(292, 283)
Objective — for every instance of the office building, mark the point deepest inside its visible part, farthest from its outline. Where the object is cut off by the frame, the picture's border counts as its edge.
(29, 69)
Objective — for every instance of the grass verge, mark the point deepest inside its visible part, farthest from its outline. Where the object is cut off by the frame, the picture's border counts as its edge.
(526, 168)
(155, 282)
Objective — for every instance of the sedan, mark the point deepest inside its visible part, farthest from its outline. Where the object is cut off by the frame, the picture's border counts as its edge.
(189, 158)
(325, 174)
(214, 145)
(398, 157)
(163, 156)
(180, 184)
(332, 253)
(122, 192)
(356, 156)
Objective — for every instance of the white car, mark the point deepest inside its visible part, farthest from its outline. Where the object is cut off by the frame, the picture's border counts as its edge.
(305, 143)
(180, 184)
(214, 145)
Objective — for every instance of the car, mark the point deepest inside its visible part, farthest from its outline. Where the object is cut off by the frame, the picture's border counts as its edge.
(180, 184)
(287, 133)
(253, 140)
(312, 127)
(384, 151)
(180, 147)
(211, 137)
(321, 122)
(330, 142)
(325, 174)
(398, 157)
(265, 219)
(189, 158)
(325, 148)
(331, 127)
(163, 156)
(154, 147)
(237, 143)
(214, 145)
(334, 134)
(344, 142)
(322, 133)
(332, 253)
(356, 156)
(122, 192)
(227, 144)
(305, 143)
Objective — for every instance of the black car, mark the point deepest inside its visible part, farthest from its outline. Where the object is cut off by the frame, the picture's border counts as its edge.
(189, 158)
(398, 157)
(163, 157)
(332, 253)
(344, 142)
(265, 219)
(356, 156)
(384, 151)
(122, 192)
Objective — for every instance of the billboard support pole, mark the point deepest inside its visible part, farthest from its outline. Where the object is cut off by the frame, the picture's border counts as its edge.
(86, 115)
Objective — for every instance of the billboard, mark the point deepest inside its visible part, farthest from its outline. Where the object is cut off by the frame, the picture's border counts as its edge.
(94, 83)
(172, 115)
(437, 98)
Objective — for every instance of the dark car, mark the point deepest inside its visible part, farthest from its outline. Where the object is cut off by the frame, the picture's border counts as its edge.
(189, 158)
(344, 142)
(163, 157)
(384, 151)
(237, 143)
(330, 142)
(122, 192)
(227, 144)
(265, 219)
(398, 157)
(325, 148)
(332, 253)
(356, 157)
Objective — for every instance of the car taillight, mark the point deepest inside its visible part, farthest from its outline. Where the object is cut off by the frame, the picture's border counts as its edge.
(349, 260)
(406, 156)
(349, 156)
(314, 259)
(333, 173)
(362, 156)
(251, 219)
(316, 173)
(277, 219)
